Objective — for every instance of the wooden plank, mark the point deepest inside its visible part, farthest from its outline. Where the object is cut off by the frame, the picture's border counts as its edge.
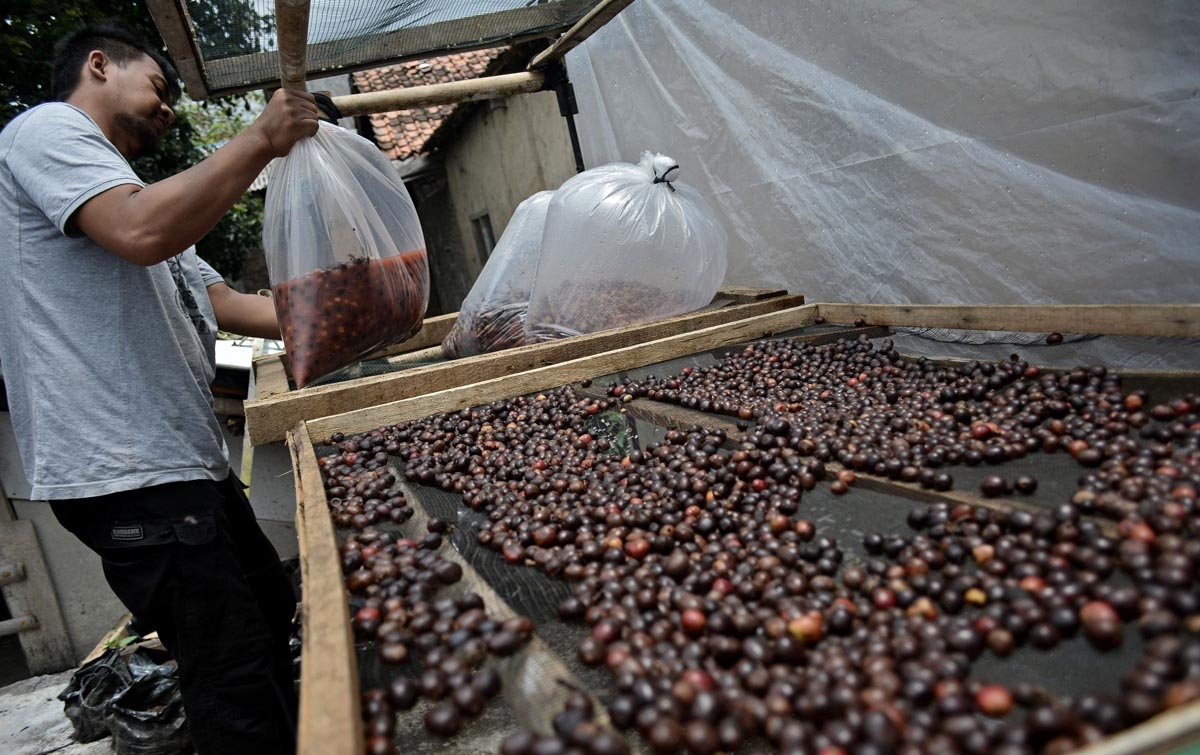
(680, 417)
(433, 331)
(1158, 383)
(536, 682)
(447, 93)
(914, 492)
(1172, 731)
(745, 294)
(268, 419)
(273, 380)
(1183, 377)
(271, 372)
(119, 632)
(291, 28)
(48, 647)
(169, 17)
(330, 706)
(584, 28)
(1169, 320)
(270, 376)
(553, 375)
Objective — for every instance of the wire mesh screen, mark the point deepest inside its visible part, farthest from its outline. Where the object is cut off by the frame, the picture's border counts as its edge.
(238, 45)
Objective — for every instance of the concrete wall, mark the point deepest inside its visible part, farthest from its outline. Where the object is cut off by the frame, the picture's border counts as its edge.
(88, 606)
(501, 157)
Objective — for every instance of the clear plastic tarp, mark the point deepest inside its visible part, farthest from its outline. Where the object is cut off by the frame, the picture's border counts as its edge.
(927, 151)
(237, 42)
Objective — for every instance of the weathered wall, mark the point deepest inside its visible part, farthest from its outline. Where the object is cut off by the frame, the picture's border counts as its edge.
(88, 606)
(500, 158)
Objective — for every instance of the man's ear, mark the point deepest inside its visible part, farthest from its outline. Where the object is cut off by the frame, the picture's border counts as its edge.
(97, 65)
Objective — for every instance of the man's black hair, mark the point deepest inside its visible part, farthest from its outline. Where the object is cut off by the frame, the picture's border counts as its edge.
(116, 40)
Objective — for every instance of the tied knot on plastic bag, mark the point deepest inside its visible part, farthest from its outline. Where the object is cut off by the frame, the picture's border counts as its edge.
(133, 697)
(664, 169)
(617, 250)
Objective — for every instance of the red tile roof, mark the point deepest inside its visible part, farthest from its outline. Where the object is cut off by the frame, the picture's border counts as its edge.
(402, 134)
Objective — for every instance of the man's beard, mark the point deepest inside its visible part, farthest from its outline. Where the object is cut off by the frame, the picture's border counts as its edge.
(145, 134)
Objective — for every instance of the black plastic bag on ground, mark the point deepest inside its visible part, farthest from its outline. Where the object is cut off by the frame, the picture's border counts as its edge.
(91, 690)
(147, 717)
(133, 696)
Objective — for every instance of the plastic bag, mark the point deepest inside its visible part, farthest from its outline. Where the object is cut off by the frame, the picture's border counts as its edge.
(91, 690)
(492, 316)
(624, 244)
(147, 717)
(135, 697)
(345, 253)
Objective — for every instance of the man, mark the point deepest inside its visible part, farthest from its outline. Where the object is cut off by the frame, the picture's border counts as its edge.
(107, 328)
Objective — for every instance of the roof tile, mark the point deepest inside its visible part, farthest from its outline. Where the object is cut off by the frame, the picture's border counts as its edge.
(402, 134)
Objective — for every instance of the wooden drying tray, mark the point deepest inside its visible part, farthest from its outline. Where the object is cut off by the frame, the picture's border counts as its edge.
(276, 408)
(1174, 320)
(329, 687)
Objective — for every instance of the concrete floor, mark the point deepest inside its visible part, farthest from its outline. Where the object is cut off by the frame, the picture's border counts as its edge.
(32, 721)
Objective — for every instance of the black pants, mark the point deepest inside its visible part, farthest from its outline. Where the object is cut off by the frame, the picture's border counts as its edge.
(190, 559)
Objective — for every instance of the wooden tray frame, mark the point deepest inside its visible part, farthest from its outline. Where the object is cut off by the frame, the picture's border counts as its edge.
(276, 408)
(329, 681)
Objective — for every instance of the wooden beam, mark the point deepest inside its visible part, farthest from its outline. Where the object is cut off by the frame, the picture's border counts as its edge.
(680, 418)
(291, 24)
(270, 376)
(584, 28)
(267, 419)
(1169, 320)
(271, 372)
(746, 294)
(1173, 731)
(432, 333)
(486, 88)
(435, 329)
(536, 682)
(554, 375)
(330, 708)
(515, 26)
(914, 492)
(113, 636)
(171, 20)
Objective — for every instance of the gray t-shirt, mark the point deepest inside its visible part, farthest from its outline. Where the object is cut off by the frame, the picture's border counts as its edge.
(107, 363)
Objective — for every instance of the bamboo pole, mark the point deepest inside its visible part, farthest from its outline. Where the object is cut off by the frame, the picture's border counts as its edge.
(584, 28)
(291, 19)
(169, 20)
(486, 88)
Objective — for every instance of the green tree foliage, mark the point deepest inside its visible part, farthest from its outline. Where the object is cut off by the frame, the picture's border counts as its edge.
(28, 31)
